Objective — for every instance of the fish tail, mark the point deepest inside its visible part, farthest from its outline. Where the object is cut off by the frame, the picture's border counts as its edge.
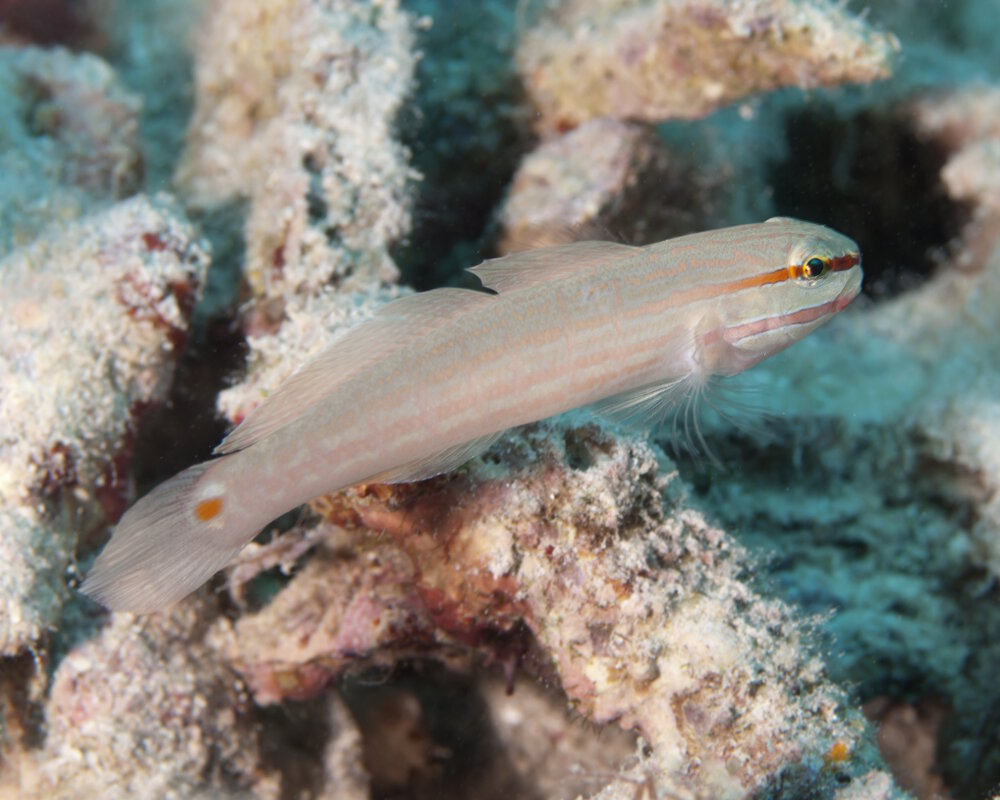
(169, 543)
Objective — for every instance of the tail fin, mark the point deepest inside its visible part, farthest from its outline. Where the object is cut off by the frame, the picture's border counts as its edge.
(165, 546)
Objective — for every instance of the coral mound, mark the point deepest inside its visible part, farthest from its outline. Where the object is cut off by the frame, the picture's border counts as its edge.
(93, 319)
(666, 59)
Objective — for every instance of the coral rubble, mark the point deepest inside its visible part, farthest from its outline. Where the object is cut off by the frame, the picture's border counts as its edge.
(635, 602)
(148, 709)
(967, 124)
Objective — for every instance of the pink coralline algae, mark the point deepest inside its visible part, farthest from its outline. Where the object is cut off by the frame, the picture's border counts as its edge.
(653, 60)
(144, 711)
(148, 709)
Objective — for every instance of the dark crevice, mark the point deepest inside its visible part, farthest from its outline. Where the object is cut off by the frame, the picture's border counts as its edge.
(296, 734)
(186, 428)
(315, 196)
(427, 733)
(47, 22)
(466, 129)
(870, 177)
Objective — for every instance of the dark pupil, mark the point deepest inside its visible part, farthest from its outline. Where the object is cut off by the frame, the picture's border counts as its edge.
(814, 267)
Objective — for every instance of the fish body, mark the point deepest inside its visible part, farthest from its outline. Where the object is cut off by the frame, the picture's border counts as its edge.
(434, 378)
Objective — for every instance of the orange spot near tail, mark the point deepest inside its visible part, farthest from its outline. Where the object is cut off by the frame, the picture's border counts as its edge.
(208, 509)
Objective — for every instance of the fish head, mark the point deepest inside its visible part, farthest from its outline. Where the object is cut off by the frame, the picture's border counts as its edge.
(809, 274)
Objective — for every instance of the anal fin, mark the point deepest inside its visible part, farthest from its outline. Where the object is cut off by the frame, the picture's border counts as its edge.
(437, 463)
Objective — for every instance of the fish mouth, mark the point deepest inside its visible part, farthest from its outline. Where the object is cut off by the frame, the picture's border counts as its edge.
(849, 292)
(843, 300)
(803, 316)
(810, 315)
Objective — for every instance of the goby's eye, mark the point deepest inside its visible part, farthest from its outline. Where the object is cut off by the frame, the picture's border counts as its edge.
(815, 267)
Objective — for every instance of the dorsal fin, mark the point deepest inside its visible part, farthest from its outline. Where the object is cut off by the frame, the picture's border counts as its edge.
(547, 264)
(393, 327)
